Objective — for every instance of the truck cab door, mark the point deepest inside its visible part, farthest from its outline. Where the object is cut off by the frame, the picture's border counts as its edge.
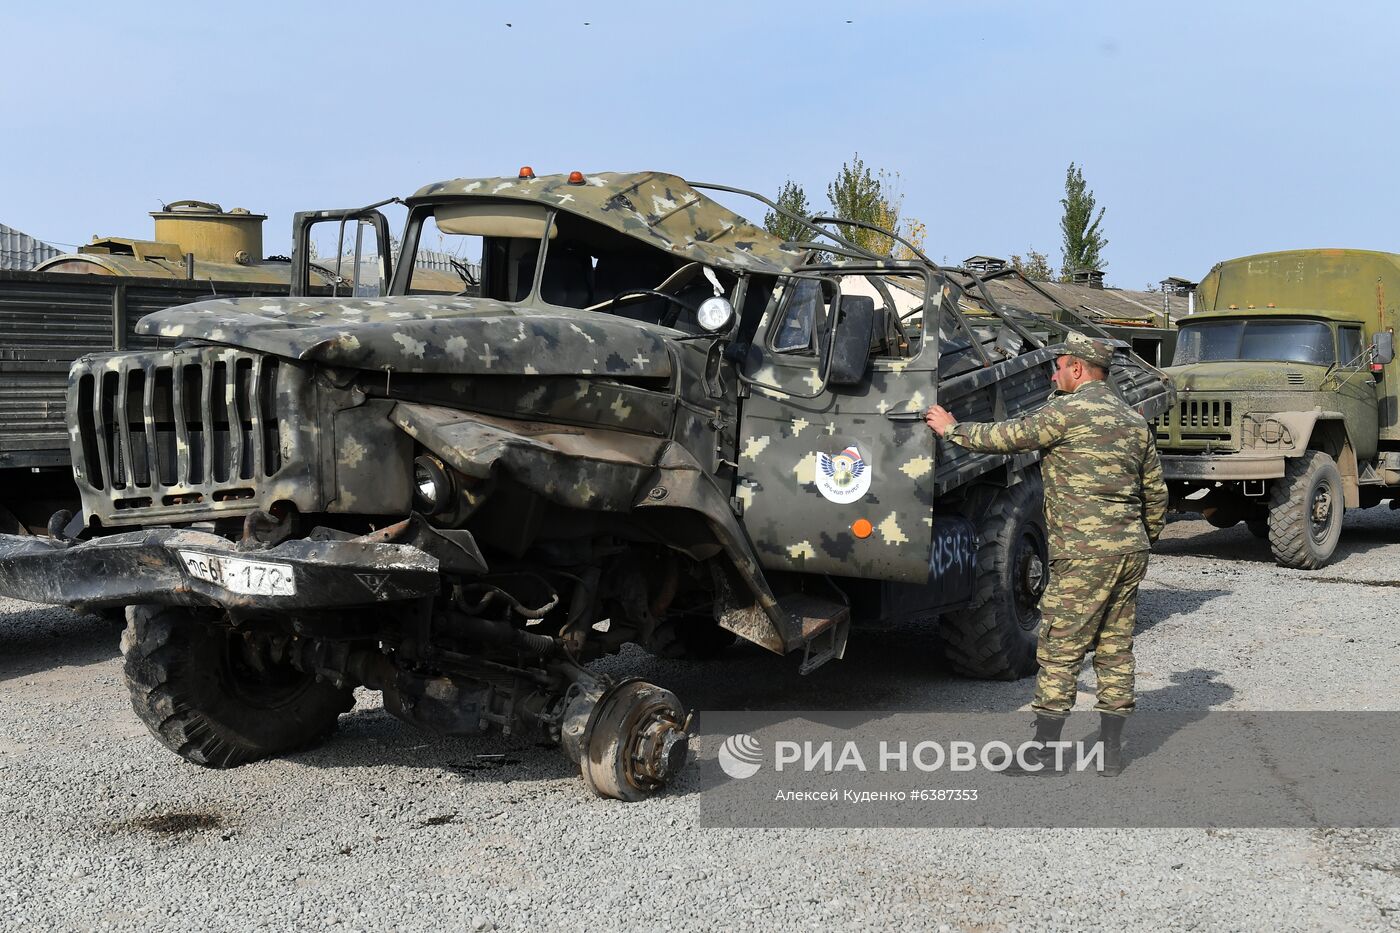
(828, 481)
(362, 262)
(1357, 391)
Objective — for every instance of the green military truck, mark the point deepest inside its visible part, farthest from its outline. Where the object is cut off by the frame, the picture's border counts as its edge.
(645, 421)
(1286, 412)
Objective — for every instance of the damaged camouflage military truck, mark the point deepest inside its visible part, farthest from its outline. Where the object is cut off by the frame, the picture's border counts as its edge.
(649, 422)
(1287, 412)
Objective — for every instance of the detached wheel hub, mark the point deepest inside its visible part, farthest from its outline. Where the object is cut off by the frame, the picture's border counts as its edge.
(636, 741)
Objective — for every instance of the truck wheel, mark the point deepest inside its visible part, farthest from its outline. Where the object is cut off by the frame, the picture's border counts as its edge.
(197, 689)
(994, 637)
(1305, 512)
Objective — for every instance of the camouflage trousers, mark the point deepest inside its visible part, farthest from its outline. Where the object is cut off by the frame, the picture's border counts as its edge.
(1089, 605)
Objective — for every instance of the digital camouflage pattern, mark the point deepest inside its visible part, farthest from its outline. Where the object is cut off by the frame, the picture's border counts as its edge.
(425, 334)
(1104, 493)
(661, 210)
(1089, 605)
(1105, 503)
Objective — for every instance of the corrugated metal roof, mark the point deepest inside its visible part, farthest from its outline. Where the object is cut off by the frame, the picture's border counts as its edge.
(1095, 303)
(21, 251)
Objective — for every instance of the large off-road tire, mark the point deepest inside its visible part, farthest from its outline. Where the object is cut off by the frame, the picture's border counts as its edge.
(192, 685)
(994, 637)
(1305, 512)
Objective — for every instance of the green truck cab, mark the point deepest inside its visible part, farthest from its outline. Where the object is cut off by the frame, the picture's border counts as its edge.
(1286, 412)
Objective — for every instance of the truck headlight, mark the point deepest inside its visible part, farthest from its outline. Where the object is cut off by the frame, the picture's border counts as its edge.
(715, 314)
(432, 485)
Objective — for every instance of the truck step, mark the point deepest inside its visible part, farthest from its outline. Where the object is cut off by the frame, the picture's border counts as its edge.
(824, 623)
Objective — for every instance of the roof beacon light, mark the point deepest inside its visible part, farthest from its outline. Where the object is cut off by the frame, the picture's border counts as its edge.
(576, 178)
(526, 172)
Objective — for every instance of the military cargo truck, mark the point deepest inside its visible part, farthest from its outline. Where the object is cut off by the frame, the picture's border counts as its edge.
(650, 422)
(1286, 414)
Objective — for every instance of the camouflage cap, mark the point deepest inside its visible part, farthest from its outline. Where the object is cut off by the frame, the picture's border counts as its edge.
(1088, 349)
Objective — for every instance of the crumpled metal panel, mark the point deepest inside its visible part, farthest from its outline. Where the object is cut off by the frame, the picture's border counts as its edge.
(659, 209)
(583, 468)
(607, 471)
(149, 566)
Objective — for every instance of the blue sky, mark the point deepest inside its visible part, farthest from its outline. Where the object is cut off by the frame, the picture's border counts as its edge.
(1207, 130)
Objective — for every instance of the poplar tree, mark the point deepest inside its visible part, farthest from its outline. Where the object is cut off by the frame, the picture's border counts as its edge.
(1083, 243)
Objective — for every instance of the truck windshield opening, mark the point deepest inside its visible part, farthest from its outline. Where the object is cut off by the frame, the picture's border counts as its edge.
(1286, 341)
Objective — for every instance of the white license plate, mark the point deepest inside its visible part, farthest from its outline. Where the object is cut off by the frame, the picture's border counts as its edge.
(249, 577)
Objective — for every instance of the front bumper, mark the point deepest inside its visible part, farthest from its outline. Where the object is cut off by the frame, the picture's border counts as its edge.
(1222, 467)
(170, 565)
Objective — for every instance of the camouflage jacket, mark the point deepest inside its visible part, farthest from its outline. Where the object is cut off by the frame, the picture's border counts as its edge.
(1104, 492)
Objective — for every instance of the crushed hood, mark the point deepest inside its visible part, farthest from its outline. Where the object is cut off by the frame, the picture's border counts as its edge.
(423, 334)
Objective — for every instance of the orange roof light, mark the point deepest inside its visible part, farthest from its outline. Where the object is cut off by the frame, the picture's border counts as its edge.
(576, 178)
(862, 528)
(1271, 305)
(526, 172)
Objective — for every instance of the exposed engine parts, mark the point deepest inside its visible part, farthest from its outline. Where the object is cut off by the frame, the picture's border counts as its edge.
(628, 738)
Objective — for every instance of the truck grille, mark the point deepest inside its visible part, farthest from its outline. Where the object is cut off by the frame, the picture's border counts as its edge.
(176, 428)
(1196, 420)
(1205, 415)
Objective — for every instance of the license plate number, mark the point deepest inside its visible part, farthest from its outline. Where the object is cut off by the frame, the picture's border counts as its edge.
(249, 577)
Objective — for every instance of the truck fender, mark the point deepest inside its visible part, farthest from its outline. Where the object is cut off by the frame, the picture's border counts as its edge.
(1325, 431)
(604, 470)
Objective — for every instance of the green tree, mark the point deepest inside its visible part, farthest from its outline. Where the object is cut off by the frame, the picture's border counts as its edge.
(1035, 265)
(859, 194)
(1083, 243)
(791, 198)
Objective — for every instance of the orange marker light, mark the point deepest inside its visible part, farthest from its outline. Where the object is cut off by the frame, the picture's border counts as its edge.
(862, 528)
(576, 178)
(526, 172)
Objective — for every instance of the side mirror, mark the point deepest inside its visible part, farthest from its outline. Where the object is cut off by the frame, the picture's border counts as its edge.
(1384, 346)
(850, 343)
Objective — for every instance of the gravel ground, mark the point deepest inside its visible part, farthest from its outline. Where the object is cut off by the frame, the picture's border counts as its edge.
(385, 828)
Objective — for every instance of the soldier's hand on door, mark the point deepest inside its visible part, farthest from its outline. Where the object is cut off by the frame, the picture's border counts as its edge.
(939, 419)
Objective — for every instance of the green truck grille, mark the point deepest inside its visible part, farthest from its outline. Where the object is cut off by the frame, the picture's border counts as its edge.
(1195, 423)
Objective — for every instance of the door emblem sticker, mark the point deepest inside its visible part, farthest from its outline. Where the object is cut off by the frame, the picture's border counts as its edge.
(843, 477)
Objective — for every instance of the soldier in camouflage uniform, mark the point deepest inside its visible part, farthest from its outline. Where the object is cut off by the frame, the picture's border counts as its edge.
(1105, 504)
